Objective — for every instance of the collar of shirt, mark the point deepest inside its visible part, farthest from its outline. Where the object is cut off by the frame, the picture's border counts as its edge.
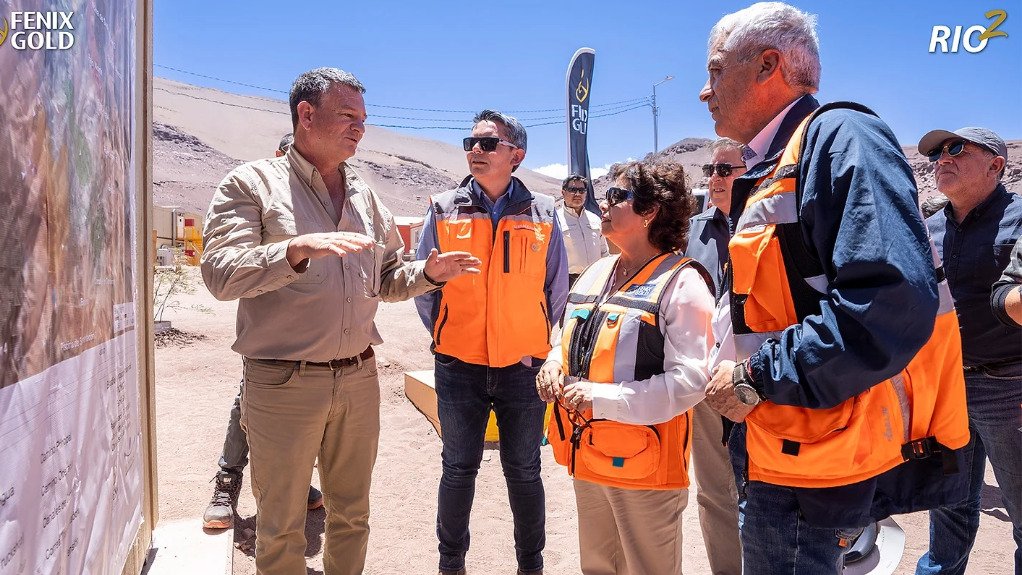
(494, 207)
(756, 150)
(306, 171)
(310, 175)
(976, 213)
(587, 217)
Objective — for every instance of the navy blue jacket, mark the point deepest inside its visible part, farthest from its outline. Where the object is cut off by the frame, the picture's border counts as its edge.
(861, 223)
(708, 236)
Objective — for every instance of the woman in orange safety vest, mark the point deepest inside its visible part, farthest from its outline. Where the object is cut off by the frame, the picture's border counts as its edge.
(635, 348)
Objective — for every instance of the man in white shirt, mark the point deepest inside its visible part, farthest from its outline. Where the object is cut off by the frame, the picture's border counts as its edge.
(581, 228)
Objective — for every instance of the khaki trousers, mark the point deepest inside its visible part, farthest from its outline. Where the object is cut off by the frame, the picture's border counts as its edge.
(629, 531)
(294, 413)
(716, 494)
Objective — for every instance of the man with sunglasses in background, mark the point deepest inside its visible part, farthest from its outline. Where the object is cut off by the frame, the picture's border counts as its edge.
(975, 234)
(710, 231)
(717, 495)
(583, 238)
(491, 334)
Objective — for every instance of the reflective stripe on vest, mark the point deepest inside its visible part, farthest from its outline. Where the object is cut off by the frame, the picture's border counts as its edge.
(500, 315)
(868, 434)
(614, 340)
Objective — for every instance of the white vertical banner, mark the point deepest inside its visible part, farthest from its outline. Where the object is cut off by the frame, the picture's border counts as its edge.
(70, 453)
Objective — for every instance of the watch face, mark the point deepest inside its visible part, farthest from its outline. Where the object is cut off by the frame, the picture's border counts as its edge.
(746, 394)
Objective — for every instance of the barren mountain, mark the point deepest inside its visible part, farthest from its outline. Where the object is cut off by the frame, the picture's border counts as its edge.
(199, 134)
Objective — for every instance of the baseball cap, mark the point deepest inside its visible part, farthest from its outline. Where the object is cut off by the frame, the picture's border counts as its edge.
(979, 136)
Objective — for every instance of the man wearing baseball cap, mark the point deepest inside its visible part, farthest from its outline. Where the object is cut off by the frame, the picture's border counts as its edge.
(974, 235)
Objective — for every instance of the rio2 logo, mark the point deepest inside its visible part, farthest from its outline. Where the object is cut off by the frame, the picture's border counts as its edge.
(974, 39)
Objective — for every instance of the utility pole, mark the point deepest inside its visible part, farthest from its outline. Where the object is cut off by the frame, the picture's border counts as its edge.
(656, 113)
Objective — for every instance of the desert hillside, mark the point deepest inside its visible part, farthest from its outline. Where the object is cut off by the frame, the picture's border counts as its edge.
(199, 134)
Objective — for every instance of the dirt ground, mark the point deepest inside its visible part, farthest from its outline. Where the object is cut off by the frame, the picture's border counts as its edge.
(197, 378)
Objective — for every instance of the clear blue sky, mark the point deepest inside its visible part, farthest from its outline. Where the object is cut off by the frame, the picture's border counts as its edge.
(513, 56)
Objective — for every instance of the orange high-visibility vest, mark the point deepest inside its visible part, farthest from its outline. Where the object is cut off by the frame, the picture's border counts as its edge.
(498, 316)
(919, 412)
(613, 340)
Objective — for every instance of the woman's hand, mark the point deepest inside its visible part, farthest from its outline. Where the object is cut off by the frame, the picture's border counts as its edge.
(579, 395)
(550, 381)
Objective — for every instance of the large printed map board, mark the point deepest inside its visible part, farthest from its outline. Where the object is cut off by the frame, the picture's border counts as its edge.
(70, 454)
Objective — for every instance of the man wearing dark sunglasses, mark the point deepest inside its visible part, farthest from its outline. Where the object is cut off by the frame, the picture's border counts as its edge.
(583, 237)
(709, 233)
(491, 334)
(717, 495)
(974, 235)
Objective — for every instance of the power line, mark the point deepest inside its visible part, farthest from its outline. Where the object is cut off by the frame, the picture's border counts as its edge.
(221, 102)
(221, 79)
(464, 126)
(406, 108)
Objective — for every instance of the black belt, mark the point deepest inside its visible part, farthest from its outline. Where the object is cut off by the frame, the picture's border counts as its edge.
(344, 361)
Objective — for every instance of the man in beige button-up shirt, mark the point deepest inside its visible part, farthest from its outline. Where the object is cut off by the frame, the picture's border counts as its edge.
(309, 250)
(582, 229)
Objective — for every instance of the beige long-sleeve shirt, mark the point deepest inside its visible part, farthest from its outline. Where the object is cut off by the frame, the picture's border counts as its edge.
(583, 238)
(327, 311)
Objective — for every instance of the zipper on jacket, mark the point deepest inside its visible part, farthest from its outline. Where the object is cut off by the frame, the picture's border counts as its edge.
(546, 316)
(440, 328)
(589, 344)
(574, 361)
(507, 251)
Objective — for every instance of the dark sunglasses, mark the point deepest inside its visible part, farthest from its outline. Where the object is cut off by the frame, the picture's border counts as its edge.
(723, 170)
(574, 190)
(953, 149)
(617, 195)
(487, 144)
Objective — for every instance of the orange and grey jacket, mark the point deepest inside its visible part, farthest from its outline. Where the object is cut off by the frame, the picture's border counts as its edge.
(618, 338)
(504, 313)
(774, 284)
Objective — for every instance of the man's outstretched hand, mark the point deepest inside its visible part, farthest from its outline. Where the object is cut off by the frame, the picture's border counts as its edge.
(321, 245)
(444, 267)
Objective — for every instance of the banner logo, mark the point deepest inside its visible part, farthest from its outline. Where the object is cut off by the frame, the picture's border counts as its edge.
(973, 39)
(39, 30)
(582, 90)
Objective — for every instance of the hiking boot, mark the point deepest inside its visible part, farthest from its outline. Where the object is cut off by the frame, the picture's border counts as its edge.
(315, 498)
(220, 513)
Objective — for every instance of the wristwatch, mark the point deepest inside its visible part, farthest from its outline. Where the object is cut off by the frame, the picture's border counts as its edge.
(742, 382)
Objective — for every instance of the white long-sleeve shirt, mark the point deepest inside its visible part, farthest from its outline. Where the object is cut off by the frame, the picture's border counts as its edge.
(686, 323)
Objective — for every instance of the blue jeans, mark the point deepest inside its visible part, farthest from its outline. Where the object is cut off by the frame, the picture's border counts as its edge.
(994, 419)
(465, 393)
(776, 537)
